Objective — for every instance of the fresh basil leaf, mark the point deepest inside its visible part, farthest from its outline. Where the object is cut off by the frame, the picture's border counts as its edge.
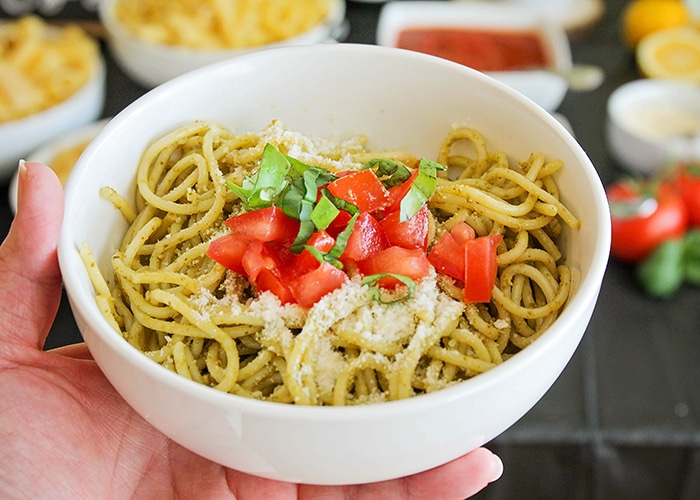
(324, 212)
(392, 173)
(341, 241)
(374, 279)
(306, 227)
(422, 188)
(323, 257)
(340, 203)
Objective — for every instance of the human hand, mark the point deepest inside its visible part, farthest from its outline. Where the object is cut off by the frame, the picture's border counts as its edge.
(66, 433)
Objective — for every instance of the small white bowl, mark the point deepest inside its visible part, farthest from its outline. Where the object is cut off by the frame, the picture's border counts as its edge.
(22, 136)
(546, 88)
(399, 99)
(653, 122)
(47, 153)
(151, 64)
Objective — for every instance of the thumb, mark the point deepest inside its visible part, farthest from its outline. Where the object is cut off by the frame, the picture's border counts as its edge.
(30, 279)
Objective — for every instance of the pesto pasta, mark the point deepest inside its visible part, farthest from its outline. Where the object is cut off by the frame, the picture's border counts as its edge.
(190, 314)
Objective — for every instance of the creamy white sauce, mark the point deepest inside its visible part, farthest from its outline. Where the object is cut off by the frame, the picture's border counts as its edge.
(662, 121)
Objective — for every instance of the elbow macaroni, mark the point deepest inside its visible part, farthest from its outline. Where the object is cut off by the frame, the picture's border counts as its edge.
(219, 24)
(41, 66)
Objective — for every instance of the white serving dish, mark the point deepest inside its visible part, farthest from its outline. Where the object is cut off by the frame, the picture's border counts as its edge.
(411, 101)
(652, 122)
(22, 136)
(546, 88)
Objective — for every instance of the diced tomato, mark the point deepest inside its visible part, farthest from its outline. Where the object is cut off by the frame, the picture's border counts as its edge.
(367, 238)
(363, 189)
(411, 263)
(266, 224)
(481, 267)
(258, 256)
(228, 251)
(269, 280)
(309, 287)
(447, 256)
(397, 193)
(339, 223)
(305, 262)
(463, 232)
(412, 233)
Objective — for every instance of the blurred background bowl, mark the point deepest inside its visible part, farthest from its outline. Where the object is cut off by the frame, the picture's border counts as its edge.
(541, 82)
(59, 155)
(151, 64)
(411, 101)
(22, 136)
(652, 123)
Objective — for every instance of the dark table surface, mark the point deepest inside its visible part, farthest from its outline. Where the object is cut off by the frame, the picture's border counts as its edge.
(623, 420)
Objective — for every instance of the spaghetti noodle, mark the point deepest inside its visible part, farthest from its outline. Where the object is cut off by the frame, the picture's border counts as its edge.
(191, 315)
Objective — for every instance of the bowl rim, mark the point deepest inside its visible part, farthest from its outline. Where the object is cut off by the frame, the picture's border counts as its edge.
(585, 295)
(320, 32)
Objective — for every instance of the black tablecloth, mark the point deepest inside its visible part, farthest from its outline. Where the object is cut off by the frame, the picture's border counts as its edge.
(623, 420)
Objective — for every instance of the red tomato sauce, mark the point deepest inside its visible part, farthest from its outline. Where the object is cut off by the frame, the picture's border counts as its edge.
(479, 49)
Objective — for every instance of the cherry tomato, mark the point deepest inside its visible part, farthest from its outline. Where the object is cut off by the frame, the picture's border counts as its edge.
(640, 226)
(688, 182)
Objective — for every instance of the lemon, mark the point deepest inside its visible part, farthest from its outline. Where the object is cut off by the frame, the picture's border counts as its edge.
(643, 17)
(672, 53)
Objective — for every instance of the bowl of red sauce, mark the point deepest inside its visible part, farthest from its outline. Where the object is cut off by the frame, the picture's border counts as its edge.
(511, 43)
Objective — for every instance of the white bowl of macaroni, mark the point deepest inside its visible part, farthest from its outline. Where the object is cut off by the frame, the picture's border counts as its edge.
(156, 40)
(52, 82)
(274, 390)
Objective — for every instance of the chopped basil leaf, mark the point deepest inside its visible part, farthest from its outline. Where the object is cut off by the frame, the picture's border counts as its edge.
(306, 227)
(341, 240)
(421, 189)
(324, 212)
(261, 189)
(374, 279)
(323, 257)
(392, 173)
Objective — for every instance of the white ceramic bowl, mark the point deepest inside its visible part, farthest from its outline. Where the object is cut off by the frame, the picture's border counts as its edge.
(411, 101)
(652, 122)
(22, 136)
(546, 88)
(151, 64)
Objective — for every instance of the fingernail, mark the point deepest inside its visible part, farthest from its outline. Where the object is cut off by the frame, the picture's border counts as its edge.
(21, 175)
(496, 468)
